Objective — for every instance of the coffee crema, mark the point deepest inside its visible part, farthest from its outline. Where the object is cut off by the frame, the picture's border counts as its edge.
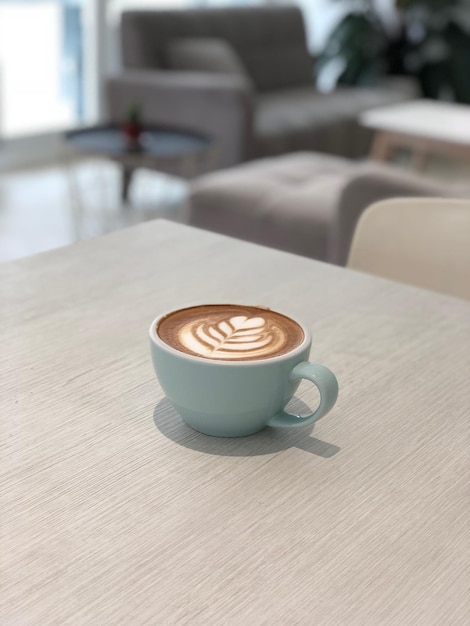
(230, 332)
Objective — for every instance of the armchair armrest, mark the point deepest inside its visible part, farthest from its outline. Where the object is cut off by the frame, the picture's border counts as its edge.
(218, 105)
(371, 184)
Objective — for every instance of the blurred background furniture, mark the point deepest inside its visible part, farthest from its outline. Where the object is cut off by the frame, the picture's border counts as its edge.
(169, 150)
(243, 75)
(423, 127)
(304, 203)
(420, 241)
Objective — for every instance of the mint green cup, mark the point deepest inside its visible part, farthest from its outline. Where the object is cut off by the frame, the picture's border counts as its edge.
(239, 398)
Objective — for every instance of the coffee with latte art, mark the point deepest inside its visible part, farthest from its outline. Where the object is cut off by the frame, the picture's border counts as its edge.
(230, 332)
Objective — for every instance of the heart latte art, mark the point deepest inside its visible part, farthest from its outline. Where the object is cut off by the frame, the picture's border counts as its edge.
(230, 332)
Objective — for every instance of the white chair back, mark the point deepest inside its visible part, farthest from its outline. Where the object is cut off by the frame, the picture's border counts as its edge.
(420, 241)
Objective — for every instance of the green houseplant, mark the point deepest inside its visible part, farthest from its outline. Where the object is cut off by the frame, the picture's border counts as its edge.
(429, 40)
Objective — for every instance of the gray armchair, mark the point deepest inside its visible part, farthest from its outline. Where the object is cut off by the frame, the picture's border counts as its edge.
(242, 75)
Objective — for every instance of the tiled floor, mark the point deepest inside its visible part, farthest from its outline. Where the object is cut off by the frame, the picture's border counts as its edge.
(38, 210)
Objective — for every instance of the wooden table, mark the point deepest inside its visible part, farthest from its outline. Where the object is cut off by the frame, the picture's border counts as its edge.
(115, 512)
(423, 126)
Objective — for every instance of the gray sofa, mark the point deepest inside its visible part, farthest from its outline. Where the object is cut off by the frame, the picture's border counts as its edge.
(242, 75)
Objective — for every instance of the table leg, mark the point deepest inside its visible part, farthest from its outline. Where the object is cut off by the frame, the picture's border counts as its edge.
(126, 183)
(381, 147)
(75, 199)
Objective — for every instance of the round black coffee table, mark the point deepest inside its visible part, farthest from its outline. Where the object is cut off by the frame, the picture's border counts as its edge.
(171, 151)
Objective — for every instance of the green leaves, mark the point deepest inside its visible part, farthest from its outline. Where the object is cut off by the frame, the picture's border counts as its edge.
(433, 45)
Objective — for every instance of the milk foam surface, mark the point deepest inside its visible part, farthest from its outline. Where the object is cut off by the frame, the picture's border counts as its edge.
(230, 332)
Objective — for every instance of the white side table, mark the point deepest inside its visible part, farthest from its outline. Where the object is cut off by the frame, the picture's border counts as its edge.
(423, 126)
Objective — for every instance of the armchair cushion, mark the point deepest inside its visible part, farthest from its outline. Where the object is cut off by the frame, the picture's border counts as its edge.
(202, 54)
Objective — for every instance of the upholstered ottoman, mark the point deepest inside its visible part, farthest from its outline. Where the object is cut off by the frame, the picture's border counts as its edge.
(306, 203)
(287, 202)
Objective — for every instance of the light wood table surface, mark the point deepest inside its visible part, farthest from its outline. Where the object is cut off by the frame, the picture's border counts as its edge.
(115, 512)
(422, 126)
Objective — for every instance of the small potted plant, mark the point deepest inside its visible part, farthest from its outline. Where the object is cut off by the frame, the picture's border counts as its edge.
(132, 127)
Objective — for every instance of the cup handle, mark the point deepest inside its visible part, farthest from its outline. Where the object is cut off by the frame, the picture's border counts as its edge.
(327, 385)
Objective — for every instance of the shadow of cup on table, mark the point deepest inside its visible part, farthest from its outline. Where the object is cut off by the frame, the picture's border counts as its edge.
(267, 441)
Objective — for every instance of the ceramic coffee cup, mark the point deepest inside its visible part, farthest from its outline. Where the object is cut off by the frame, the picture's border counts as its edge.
(235, 398)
